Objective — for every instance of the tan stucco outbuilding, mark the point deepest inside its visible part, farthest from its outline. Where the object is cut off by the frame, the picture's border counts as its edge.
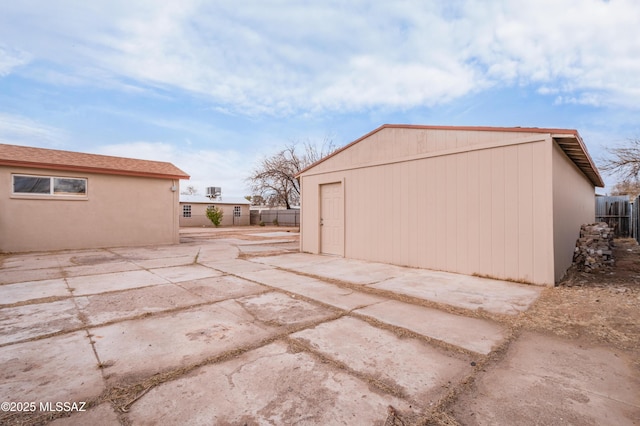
(505, 203)
(53, 200)
(193, 210)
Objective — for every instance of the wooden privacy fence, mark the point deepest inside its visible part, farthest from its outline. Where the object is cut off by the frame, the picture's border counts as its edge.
(617, 213)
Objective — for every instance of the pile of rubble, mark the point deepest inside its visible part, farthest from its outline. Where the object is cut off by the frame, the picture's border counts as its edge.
(594, 248)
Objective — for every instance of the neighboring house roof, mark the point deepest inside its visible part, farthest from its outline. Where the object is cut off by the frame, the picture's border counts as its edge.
(568, 139)
(53, 159)
(201, 199)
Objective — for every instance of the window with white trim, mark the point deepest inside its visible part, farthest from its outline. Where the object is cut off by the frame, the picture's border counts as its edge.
(49, 185)
(186, 210)
(236, 211)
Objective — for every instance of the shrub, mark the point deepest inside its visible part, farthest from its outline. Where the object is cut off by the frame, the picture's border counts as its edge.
(215, 215)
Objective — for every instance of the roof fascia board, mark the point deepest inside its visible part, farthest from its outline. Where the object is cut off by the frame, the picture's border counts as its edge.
(85, 169)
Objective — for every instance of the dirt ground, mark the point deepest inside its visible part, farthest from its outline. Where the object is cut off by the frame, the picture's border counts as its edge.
(590, 309)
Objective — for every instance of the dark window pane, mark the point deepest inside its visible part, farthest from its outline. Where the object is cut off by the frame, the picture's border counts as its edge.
(62, 186)
(31, 185)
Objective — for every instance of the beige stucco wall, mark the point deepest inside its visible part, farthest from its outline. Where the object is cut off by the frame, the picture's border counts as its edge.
(199, 216)
(118, 211)
(467, 204)
(573, 205)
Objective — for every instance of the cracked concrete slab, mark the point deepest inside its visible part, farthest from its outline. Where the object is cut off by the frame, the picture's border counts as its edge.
(35, 320)
(589, 385)
(103, 308)
(281, 310)
(175, 340)
(293, 260)
(24, 275)
(103, 414)
(165, 262)
(269, 385)
(21, 292)
(333, 295)
(59, 368)
(221, 288)
(95, 284)
(464, 291)
(277, 278)
(473, 334)
(176, 274)
(236, 266)
(413, 368)
(101, 268)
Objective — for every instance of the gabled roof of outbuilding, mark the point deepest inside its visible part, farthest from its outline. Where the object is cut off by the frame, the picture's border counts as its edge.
(53, 159)
(568, 139)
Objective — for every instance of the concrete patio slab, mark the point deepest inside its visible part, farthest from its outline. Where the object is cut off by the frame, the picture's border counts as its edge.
(333, 295)
(59, 368)
(21, 292)
(279, 309)
(95, 284)
(269, 385)
(235, 266)
(277, 278)
(275, 234)
(35, 320)
(472, 334)
(265, 248)
(464, 291)
(221, 288)
(174, 340)
(103, 308)
(165, 262)
(100, 268)
(293, 260)
(24, 275)
(103, 414)
(333, 267)
(176, 274)
(418, 371)
(590, 386)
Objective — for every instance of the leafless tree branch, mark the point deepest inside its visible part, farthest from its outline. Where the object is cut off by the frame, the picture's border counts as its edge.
(274, 178)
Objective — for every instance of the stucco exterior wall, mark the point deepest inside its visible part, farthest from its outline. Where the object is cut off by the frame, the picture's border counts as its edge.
(199, 216)
(118, 211)
(467, 204)
(573, 205)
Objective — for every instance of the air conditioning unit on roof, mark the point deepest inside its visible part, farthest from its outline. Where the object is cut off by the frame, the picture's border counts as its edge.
(214, 191)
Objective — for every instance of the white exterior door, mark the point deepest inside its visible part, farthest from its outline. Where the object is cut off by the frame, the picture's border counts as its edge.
(331, 219)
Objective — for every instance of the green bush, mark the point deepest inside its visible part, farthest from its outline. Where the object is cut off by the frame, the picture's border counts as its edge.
(261, 223)
(275, 222)
(215, 215)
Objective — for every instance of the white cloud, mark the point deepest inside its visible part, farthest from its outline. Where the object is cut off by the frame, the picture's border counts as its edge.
(223, 168)
(292, 57)
(19, 130)
(10, 59)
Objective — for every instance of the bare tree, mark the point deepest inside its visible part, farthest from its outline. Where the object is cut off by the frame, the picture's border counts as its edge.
(624, 161)
(274, 178)
(190, 190)
(628, 188)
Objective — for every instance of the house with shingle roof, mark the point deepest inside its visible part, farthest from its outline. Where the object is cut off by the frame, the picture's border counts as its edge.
(55, 200)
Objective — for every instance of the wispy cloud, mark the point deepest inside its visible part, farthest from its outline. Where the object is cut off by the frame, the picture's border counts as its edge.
(224, 168)
(10, 59)
(19, 130)
(293, 57)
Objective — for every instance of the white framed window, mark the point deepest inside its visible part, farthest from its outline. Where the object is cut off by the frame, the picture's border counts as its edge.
(236, 211)
(49, 185)
(186, 210)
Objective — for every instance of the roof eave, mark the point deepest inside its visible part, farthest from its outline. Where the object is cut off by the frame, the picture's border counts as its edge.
(98, 170)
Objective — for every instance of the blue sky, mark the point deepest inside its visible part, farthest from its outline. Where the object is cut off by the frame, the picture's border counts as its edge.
(212, 86)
